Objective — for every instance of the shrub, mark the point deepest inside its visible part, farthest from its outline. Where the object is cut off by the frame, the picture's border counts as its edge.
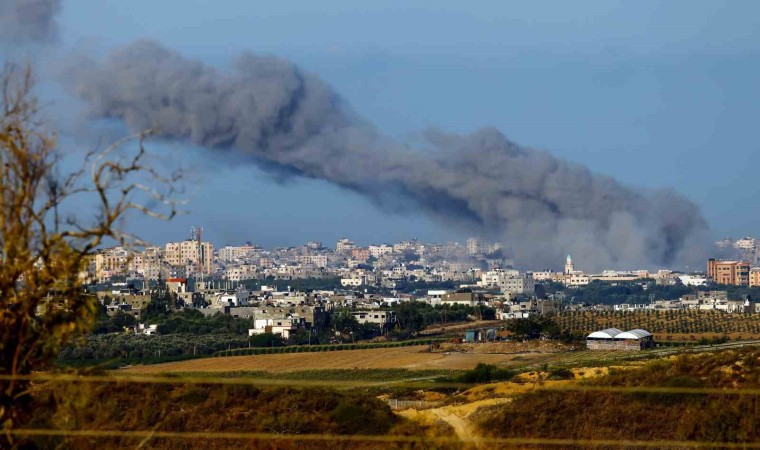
(561, 374)
(485, 373)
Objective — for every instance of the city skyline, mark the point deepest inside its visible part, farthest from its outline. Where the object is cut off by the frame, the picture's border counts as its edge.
(634, 138)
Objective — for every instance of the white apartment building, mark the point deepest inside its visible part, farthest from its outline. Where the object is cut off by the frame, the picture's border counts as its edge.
(376, 251)
(344, 245)
(692, 280)
(747, 243)
(521, 284)
(313, 260)
(241, 272)
(577, 279)
(405, 246)
(508, 281)
(353, 281)
(494, 278)
(548, 275)
(375, 317)
(235, 253)
(434, 296)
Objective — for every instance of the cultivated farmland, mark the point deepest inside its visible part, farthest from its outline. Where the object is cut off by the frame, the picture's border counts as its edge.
(665, 325)
(412, 358)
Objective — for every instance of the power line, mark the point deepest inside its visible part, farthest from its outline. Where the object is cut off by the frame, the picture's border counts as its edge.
(152, 379)
(521, 441)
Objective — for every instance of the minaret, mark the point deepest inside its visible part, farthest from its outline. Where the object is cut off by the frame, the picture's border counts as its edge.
(569, 268)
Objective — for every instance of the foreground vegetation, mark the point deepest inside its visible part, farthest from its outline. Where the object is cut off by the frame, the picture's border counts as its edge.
(683, 414)
(136, 347)
(209, 410)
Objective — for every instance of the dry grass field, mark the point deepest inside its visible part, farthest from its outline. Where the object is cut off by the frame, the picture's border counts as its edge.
(411, 358)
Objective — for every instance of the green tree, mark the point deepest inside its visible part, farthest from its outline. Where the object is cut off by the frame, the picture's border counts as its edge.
(534, 328)
(409, 318)
(343, 320)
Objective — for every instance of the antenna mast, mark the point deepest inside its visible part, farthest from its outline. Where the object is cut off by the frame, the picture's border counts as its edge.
(196, 235)
(201, 256)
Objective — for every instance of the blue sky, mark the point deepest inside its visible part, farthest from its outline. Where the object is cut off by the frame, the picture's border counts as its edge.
(656, 94)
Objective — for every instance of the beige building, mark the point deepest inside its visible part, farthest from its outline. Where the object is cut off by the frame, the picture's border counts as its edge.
(577, 279)
(508, 281)
(234, 253)
(344, 245)
(312, 260)
(475, 246)
(241, 272)
(190, 253)
(111, 261)
(376, 251)
(728, 272)
(754, 277)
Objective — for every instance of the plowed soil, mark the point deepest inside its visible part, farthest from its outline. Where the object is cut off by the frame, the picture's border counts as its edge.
(412, 358)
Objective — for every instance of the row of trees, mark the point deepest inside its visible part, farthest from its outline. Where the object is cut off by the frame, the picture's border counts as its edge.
(135, 347)
(668, 321)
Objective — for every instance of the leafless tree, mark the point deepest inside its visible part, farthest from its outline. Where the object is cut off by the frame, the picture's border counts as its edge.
(45, 250)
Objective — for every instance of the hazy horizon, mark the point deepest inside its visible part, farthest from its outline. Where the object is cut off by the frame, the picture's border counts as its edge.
(653, 94)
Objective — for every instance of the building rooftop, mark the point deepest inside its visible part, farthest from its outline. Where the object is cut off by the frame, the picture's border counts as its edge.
(634, 334)
(609, 333)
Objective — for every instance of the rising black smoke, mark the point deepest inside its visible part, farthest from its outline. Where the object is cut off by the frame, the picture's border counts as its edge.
(268, 111)
(28, 20)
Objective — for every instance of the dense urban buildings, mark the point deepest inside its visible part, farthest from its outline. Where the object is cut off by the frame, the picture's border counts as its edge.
(248, 281)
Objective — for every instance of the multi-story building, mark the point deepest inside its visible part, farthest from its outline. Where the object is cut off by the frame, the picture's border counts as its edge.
(754, 277)
(475, 247)
(235, 253)
(314, 245)
(508, 281)
(728, 272)
(376, 251)
(111, 261)
(353, 281)
(546, 275)
(190, 253)
(577, 279)
(747, 243)
(344, 245)
(241, 272)
(313, 260)
(360, 254)
(521, 284)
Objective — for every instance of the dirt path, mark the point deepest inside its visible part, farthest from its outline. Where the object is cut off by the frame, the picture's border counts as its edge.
(460, 426)
(458, 418)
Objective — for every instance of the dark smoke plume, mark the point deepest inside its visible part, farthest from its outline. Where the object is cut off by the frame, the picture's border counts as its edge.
(268, 111)
(28, 20)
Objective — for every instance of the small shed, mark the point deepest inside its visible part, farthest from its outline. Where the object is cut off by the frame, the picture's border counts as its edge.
(635, 340)
(615, 339)
(490, 334)
(471, 336)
